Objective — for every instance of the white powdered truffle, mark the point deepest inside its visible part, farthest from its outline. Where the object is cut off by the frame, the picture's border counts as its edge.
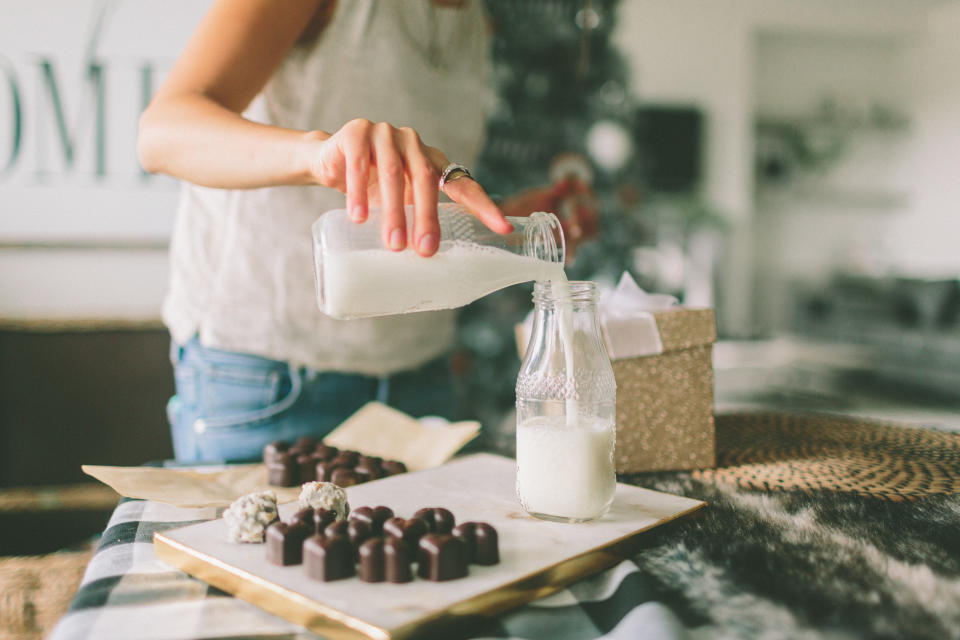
(325, 495)
(248, 516)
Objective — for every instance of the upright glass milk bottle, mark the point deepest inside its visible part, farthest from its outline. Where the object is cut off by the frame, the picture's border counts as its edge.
(566, 408)
(357, 277)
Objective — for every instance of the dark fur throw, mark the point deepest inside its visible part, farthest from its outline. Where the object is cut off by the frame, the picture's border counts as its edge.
(806, 565)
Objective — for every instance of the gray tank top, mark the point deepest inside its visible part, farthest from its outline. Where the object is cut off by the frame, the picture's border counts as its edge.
(241, 264)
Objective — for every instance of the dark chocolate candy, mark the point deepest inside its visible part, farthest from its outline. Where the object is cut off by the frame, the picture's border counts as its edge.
(299, 450)
(438, 519)
(285, 543)
(282, 471)
(338, 528)
(397, 559)
(393, 467)
(306, 442)
(306, 466)
(480, 540)
(375, 517)
(271, 451)
(347, 458)
(304, 516)
(358, 532)
(345, 477)
(371, 560)
(410, 531)
(323, 518)
(325, 452)
(385, 559)
(328, 558)
(369, 471)
(441, 557)
(308, 460)
(324, 470)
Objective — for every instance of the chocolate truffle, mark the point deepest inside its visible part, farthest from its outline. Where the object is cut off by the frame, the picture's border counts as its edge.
(480, 541)
(441, 557)
(285, 543)
(438, 519)
(248, 516)
(282, 470)
(375, 517)
(410, 531)
(324, 495)
(371, 560)
(328, 558)
(397, 560)
(392, 467)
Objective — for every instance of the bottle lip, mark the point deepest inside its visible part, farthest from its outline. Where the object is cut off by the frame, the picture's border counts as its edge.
(543, 236)
(574, 291)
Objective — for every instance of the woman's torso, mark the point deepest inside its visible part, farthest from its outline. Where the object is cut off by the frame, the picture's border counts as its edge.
(241, 264)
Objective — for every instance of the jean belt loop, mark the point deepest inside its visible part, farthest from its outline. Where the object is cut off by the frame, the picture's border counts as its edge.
(383, 389)
(176, 352)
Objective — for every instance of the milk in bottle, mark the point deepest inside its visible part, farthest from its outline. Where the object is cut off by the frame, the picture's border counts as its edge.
(357, 277)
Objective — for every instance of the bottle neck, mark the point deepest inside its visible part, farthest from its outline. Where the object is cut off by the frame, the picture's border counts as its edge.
(582, 295)
(562, 309)
(542, 236)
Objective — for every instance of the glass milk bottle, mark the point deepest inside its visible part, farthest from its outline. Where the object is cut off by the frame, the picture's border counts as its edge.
(566, 408)
(357, 277)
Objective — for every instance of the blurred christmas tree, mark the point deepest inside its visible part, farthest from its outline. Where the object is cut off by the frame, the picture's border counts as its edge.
(561, 89)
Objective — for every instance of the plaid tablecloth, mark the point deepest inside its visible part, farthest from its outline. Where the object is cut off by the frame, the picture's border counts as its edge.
(127, 593)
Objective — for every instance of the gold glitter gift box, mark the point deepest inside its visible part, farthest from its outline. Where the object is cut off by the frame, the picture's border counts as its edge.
(665, 400)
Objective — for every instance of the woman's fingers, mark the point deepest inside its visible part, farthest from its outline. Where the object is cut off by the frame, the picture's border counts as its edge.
(403, 170)
(469, 193)
(390, 173)
(356, 152)
(423, 178)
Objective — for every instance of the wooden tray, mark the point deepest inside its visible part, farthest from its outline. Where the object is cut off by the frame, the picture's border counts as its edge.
(537, 557)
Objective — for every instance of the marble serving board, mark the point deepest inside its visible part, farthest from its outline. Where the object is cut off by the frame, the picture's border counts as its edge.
(537, 557)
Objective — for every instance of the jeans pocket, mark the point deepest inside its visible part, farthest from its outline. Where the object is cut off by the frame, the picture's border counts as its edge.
(241, 434)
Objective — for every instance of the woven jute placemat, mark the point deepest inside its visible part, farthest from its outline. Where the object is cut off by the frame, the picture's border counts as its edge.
(815, 452)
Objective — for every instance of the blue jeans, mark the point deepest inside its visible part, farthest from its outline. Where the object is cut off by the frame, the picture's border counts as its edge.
(228, 405)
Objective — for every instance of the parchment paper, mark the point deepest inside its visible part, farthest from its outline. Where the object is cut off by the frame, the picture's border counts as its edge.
(375, 429)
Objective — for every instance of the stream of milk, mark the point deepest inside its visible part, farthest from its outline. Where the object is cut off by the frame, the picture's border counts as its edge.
(564, 311)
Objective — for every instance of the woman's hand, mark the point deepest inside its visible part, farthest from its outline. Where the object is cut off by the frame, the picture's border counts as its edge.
(382, 164)
(194, 130)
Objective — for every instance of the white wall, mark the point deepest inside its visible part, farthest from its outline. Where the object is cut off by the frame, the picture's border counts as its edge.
(704, 52)
(926, 237)
(86, 238)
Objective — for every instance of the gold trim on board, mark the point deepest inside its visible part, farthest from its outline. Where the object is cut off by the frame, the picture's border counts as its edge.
(337, 625)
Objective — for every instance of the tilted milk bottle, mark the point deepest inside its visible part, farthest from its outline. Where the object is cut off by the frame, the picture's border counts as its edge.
(357, 277)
